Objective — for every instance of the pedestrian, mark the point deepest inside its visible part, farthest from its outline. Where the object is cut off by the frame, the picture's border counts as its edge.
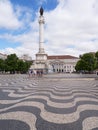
(34, 72)
(41, 72)
(30, 73)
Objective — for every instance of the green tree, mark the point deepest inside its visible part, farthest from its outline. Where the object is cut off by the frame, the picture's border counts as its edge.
(27, 65)
(2, 65)
(81, 65)
(86, 63)
(11, 63)
(96, 56)
(20, 67)
(23, 66)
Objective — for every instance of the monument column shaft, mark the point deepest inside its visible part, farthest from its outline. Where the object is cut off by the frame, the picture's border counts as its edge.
(41, 34)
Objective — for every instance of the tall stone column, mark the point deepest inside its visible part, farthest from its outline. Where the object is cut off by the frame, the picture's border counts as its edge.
(41, 31)
(41, 56)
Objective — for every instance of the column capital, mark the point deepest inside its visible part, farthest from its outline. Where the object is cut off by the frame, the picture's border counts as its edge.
(41, 20)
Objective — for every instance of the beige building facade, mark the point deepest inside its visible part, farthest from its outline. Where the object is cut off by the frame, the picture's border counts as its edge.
(3, 56)
(62, 63)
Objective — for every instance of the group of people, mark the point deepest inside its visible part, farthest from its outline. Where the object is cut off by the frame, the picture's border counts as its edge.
(35, 73)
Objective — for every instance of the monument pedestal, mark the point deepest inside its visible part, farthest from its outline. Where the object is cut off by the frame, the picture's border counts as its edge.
(41, 61)
(41, 57)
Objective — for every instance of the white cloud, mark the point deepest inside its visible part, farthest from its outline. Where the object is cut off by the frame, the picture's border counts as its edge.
(40, 2)
(8, 18)
(71, 28)
(19, 51)
(73, 23)
(29, 44)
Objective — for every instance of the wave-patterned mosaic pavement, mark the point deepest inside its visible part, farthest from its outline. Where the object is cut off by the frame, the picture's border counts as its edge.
(48, 103)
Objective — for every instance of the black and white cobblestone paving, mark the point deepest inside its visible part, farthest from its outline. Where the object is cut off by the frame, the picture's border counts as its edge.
(48, 103)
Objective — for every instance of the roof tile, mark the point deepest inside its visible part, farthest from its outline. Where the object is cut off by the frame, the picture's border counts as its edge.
(61, 57)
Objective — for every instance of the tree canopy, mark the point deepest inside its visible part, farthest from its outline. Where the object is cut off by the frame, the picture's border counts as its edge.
(96, 55)
(2, 65)
(14, 64)
(87, 62)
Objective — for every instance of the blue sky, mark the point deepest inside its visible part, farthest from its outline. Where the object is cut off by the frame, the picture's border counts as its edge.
(35, 4)
(71, 26)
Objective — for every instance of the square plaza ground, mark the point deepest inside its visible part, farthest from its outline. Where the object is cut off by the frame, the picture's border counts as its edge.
(51, 102)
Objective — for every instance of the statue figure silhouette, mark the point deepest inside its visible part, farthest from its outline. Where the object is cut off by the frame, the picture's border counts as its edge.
(41, 11)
